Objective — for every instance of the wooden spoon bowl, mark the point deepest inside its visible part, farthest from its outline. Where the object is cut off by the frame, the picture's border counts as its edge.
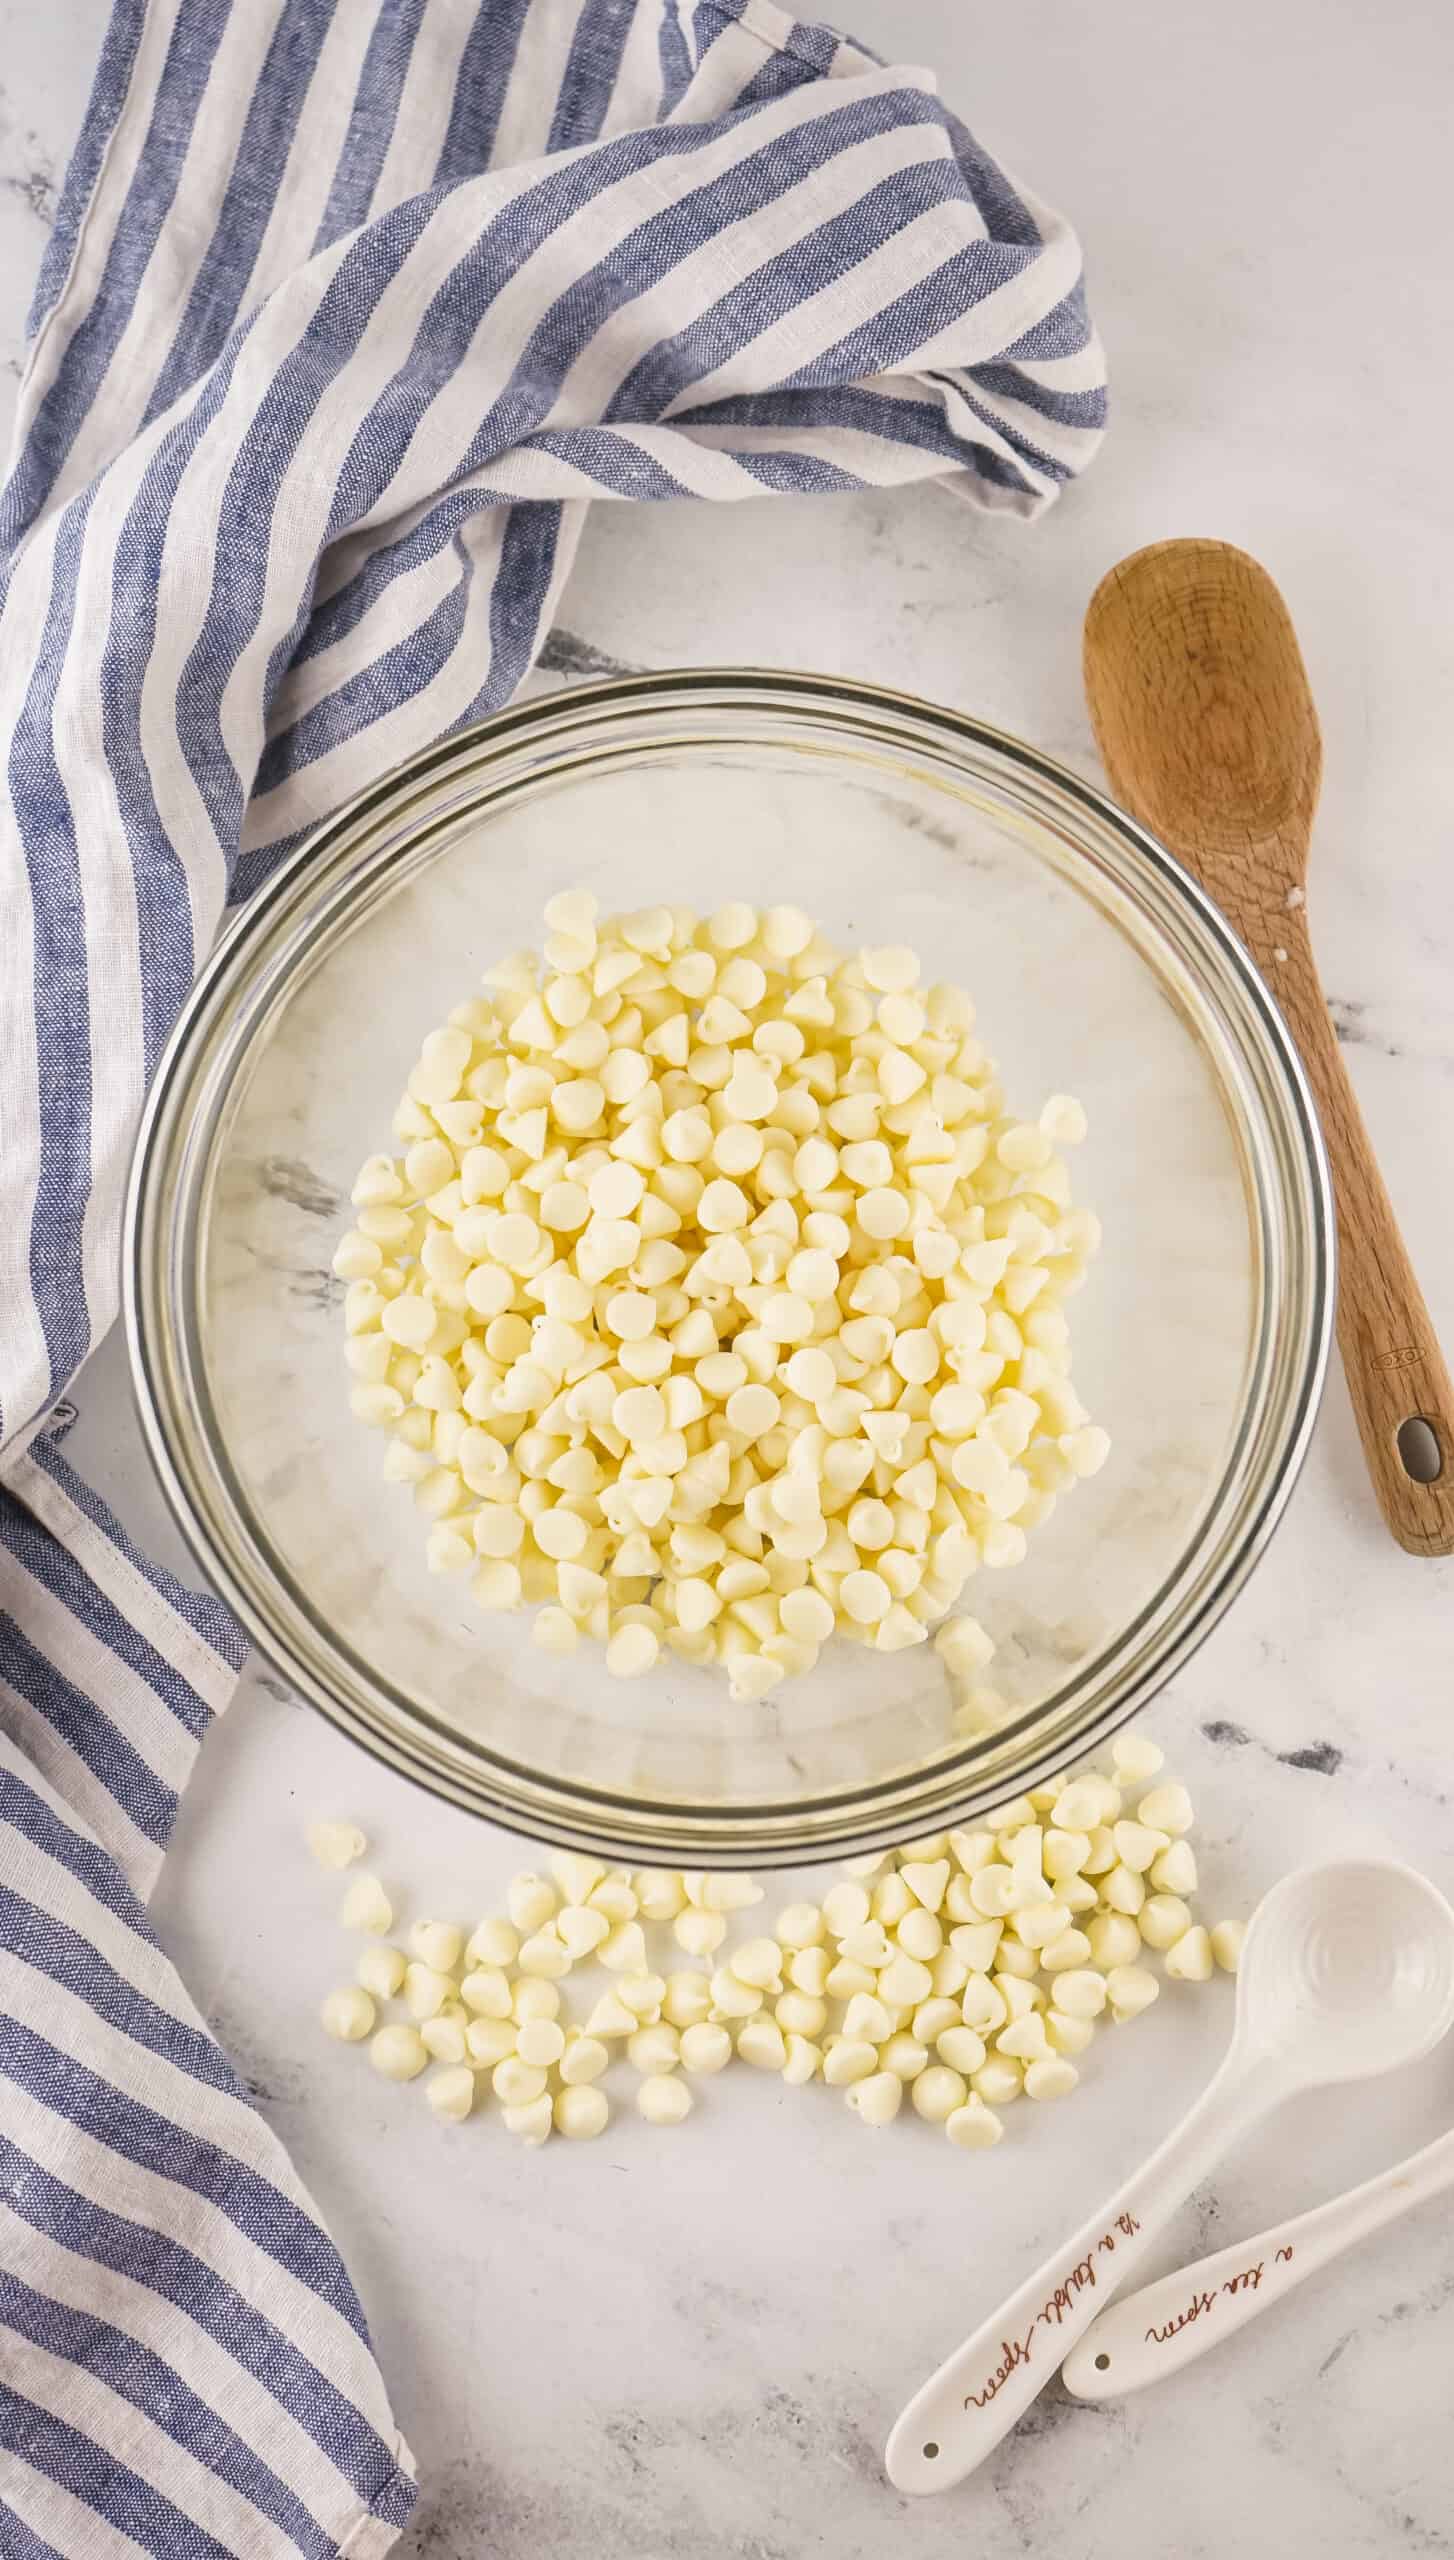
(1207, 729)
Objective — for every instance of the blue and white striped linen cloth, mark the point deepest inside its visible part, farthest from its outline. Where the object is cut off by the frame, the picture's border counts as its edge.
(351, 307)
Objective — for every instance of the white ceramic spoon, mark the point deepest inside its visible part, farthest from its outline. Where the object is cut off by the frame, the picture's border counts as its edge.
(1347, 1971)
(1167, 2325)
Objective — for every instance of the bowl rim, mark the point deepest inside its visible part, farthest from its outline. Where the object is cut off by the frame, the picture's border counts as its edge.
(577, 1814)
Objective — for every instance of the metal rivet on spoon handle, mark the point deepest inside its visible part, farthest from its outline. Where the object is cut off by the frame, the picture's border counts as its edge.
(1347, 1971)
(1208, 732)
(1150, 2334)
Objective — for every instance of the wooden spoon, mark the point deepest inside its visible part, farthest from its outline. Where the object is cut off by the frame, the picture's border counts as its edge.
(1207, 729)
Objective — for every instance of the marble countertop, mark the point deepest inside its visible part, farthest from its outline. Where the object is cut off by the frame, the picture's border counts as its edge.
(694, 2344)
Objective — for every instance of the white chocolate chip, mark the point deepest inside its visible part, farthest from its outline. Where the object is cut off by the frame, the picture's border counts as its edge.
(1163, 1919)
(445, 2039)
(1051, 2077)
(1167, 1808)
(451, 2093)
(348, 2014)
(974, 2126)
(938, 2093)
(532, 2121)
(705, 2047)
(761, 2042)
(381, 1971)
(531, 1902)
(437, 1943)
(1189, 1958)
(367, 1906)
(1130, 1989)
(336, 1844)
(584, 2059)
(876, 2097)
(664, 2100)
(1136, 1759)
(581, 2112)
(398, 2053)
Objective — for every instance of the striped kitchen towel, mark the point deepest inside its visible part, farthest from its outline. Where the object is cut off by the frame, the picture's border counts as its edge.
(351, 307)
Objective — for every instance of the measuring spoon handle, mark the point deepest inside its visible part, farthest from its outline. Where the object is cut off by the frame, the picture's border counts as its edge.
(979, 2392)
(1169, 2324)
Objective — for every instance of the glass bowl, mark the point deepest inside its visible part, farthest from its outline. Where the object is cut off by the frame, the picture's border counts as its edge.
(1098, 968)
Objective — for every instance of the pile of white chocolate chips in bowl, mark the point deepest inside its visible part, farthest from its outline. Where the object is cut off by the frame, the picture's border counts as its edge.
(960, 1972)
(715, 1300)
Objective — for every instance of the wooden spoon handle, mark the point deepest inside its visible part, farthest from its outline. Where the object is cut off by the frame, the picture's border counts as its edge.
(1208, 731)
(1402, 1396)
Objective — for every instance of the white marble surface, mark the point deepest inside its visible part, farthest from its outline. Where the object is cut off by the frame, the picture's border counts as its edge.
(693, 2344)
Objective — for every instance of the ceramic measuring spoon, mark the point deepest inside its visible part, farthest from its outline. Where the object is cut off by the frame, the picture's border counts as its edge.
(1347, 1971)
(1167, 2325)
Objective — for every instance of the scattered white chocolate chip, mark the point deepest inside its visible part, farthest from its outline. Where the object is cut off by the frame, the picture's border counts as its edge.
(348, 2014)
(425, 1991)
(540, 2041)
(488, 2040)
(664, 2101)
(1050, 2077)
(494, 1942)
(762, 2043)
(367, 1906)
(381, 1971)
(584, 2059)
(1130, 1989)
(877, 2097)
(974, 2126)
(1189, 1959)
(517, 2083)
(398, 2052)
(1167, 1809)
(336, 1844)
(706, 2047)
(452, 2093)
(445, 2039)
(531, 2121)
(938, 2093)
(581, 2111)
(437, 1943)
(531, 1902)
(655, 2049)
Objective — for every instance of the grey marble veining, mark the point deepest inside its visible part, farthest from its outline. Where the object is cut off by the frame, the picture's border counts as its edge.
(692, 2344)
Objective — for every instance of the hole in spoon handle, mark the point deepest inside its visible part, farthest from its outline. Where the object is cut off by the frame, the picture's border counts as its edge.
(1420, 1455)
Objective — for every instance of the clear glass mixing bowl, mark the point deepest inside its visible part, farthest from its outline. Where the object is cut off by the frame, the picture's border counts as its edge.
(1097, 967)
